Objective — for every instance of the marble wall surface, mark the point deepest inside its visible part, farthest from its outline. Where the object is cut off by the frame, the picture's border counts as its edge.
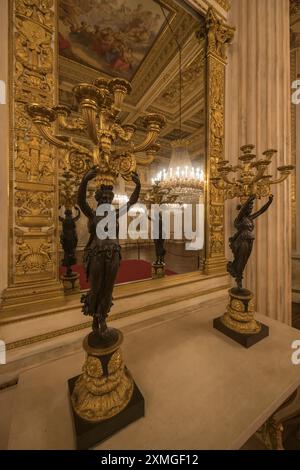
(258, 112)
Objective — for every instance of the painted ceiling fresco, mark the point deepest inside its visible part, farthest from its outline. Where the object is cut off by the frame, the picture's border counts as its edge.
(111, 36)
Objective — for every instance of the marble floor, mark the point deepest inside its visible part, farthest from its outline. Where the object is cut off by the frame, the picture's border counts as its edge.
(177, 258)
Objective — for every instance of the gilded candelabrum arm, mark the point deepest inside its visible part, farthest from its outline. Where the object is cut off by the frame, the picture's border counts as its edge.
(75, 147)
(150, 139)
(90, 116)
(125, 132)
(66, 122)
(43, 117)
(63, 142)
(284, 171)
(59, 142)
(261, 166)
(145, 161)
(226, 180)
(154, 124)
(150, 155)
(89, 96)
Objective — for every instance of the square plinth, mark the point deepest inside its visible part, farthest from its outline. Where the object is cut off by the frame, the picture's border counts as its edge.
(89, 434)
(245, 340)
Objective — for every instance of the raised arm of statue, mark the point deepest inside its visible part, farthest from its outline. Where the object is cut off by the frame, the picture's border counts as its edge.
(77, 217)
(263, 209)
(136, 193)
(82, 199)
(134, 196)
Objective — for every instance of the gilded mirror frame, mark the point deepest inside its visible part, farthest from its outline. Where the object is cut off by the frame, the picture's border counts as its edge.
(33, 171)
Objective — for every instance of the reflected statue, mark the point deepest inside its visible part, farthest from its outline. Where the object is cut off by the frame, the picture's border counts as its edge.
(69, 239)
(241, 243)
(102, 259)
(159, 242)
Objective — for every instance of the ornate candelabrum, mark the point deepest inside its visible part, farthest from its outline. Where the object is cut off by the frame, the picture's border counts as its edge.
(251, 178)
(159, 195)
(68, 237)
(250, 183)
(105, 397)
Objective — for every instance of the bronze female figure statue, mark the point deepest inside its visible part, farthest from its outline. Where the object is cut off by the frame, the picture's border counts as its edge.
(102, 259)
(69, 239)
(241, 243)
(159, 242)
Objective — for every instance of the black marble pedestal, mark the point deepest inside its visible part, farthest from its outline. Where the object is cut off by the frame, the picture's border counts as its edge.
(90, 434)
(245, 340)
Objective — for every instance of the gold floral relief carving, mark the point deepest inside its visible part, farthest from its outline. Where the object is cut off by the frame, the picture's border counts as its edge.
(237, 305)
(33, 198)
(39, 11)
(217, 35)
(33, 255)
(33, 62)
(226, 4)
(216, 110)
(34, 209)
(34, 161)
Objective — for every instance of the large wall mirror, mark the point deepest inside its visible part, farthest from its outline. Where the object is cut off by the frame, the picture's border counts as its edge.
(154, 46)
(174, 59)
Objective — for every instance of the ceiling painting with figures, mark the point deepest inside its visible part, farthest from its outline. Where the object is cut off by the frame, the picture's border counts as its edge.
(112, 37)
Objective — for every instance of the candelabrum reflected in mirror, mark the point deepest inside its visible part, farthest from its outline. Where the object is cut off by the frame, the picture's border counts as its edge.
(161, 196)
(111, 145)
(68, 236)
(106, 389)
(250, 183)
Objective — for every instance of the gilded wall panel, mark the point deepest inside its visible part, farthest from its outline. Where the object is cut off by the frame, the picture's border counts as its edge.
(33, 167)
(218, 36)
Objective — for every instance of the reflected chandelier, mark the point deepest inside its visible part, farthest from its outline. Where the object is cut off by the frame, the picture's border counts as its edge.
(182, 179)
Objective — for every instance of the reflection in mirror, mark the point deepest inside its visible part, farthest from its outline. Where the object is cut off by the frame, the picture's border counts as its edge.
(153, 45)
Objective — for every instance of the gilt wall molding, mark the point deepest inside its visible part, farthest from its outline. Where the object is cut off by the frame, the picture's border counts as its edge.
(219, 35)
(32, 163)
(126, 313)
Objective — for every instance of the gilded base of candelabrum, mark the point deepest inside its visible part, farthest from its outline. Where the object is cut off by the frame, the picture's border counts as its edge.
(105, 387)
(158, 270)
(238, 323)
(71, 283)
(240, 312)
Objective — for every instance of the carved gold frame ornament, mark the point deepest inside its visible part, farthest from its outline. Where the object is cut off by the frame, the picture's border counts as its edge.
(218, 36)
(34, 169)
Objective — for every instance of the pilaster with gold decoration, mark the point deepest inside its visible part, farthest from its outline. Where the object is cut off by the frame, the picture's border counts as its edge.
(32, 270)
(218, 35)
